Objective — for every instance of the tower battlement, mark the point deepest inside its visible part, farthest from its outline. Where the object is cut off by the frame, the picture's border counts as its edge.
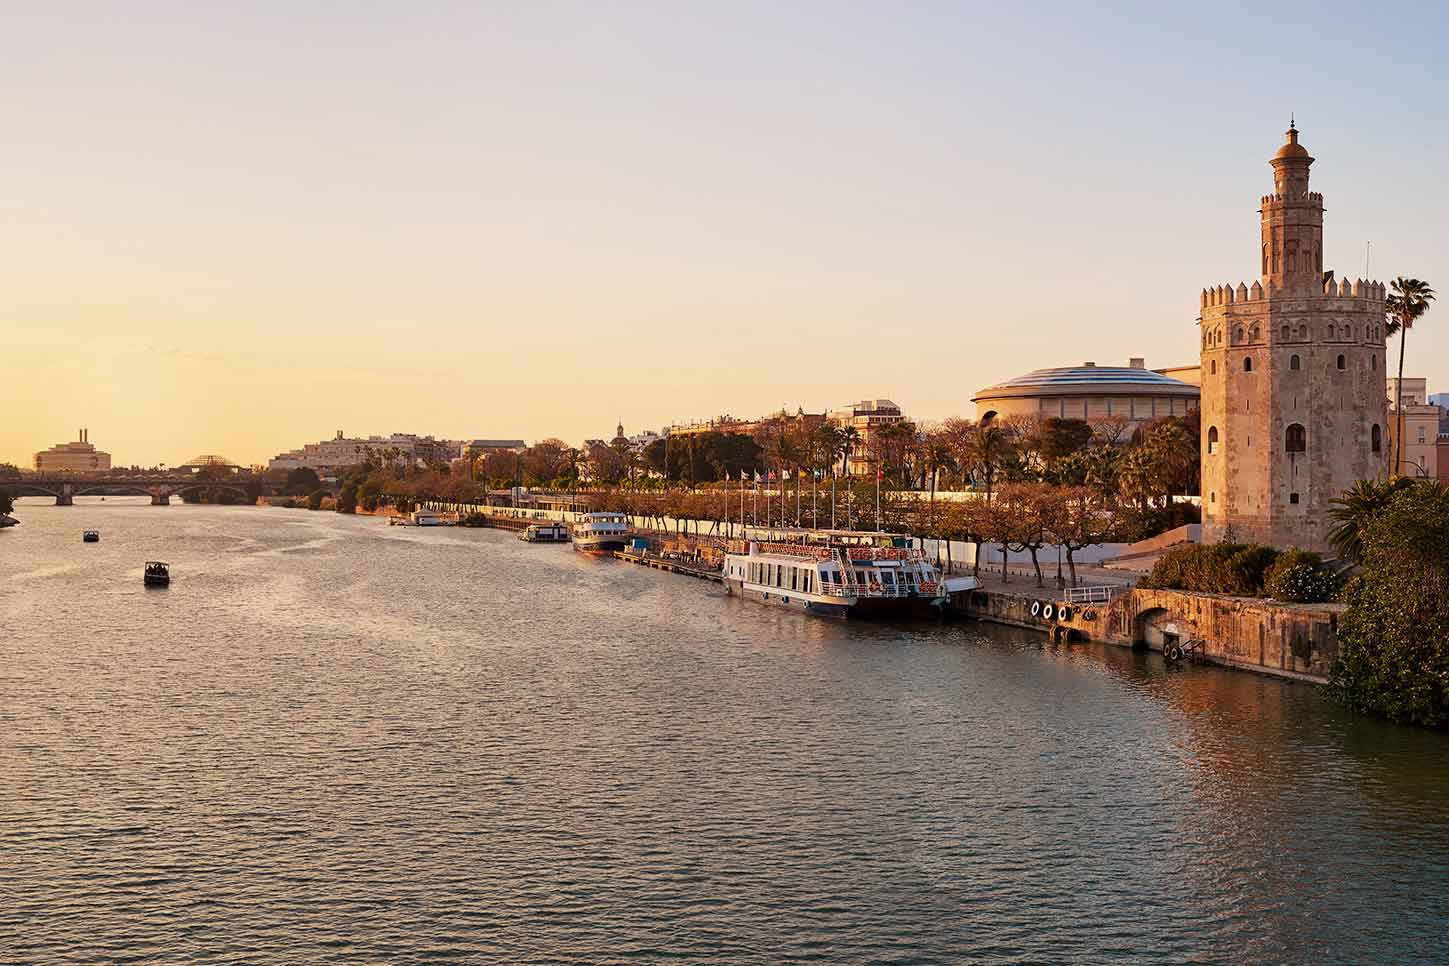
(1312, 197)
(1332, 288)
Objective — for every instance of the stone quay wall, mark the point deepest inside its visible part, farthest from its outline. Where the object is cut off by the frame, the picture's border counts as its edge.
(1298, 641)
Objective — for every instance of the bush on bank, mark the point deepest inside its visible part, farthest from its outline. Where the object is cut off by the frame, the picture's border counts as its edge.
(1393, 658)
(1245, 570)
(1236, 569)
(1299, 577)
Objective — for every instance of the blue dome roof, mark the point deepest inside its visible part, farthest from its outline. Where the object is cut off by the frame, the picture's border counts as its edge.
(1079, 380)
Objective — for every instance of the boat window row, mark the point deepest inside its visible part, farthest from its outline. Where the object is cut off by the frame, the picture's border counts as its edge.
(783, 576)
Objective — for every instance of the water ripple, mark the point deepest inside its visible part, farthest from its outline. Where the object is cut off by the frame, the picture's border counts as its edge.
(330, 741)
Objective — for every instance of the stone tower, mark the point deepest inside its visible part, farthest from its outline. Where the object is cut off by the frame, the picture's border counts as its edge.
(1293, 388)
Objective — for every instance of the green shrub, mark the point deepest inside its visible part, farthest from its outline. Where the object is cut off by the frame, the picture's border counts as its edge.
(1299, 577)
(1393, 657)
(314, 499)
(1213, 568)
(1247, 569)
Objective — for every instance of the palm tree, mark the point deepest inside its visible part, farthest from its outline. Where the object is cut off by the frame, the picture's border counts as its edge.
(938, 457)
(987, 450)
(1352, 511)
(1408, 303)
(849, 442)
(1137, 476)
(1173, 452)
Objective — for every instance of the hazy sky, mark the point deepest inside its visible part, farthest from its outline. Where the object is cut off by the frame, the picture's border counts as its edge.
(238, 230)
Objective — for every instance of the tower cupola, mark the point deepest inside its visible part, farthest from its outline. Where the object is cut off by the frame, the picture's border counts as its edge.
(1292, 222)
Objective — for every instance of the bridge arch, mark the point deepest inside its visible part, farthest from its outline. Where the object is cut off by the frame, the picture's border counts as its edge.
(23, 488)
(110, 489)
(1155, 627)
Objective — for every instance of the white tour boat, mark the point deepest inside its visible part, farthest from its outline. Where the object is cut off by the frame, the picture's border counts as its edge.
(545, 533)
(601, 532)
(840, 574)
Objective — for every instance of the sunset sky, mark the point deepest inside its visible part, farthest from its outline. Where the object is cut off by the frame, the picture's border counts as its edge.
(239, 230)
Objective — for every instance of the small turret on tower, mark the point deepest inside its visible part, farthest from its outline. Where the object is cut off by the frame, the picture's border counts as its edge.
(1292, 222)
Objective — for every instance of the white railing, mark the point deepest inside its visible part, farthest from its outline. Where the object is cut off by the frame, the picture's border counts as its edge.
(1100, 594)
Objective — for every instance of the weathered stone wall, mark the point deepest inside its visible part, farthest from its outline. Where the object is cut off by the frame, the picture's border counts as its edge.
(1288, 640)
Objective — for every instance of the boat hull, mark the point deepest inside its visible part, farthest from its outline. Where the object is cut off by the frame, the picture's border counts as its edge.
(599, 545)
(788, 600)
(897, 608)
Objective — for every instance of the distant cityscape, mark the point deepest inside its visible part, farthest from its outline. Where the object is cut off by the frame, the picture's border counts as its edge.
(1131, 395)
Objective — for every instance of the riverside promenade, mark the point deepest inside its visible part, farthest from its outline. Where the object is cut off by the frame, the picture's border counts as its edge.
(1295, 641)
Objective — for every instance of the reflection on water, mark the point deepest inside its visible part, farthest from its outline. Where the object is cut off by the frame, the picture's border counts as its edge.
(335, 740)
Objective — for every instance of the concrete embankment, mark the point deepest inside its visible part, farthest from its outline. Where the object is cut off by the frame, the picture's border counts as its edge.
(1298, 641)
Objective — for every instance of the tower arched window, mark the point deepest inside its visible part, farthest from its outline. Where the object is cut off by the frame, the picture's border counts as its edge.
(1342, 363)
(1287, 333)
(1247, 363)
(1374, 361)
(1254, 335)
(1238, 336)
(1212, 440)
(1376, 439)
(1295, 439)
(1214, 369)
(1294, 362)
(1303, 332)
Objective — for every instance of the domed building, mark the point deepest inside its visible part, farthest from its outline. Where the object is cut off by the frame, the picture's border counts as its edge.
(208, 461)
(1089, 391)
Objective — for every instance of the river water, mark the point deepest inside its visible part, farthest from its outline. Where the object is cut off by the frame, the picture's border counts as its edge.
(334, 741)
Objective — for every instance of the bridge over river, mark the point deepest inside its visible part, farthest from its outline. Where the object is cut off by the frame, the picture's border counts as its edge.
(158, 487)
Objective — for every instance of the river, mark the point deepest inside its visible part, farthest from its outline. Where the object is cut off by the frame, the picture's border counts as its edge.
(333, 740)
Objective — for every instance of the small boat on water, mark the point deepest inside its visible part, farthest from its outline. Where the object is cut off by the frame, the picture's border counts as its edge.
(157, 574)
(424, 517)
(840, 574)
(91, 536)
(545, 533)
(601, 532)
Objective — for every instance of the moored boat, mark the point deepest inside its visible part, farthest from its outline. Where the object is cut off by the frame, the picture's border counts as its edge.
(157, 574)
(601, 532)
(91, 536)
(839, 574)
(544, 533)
